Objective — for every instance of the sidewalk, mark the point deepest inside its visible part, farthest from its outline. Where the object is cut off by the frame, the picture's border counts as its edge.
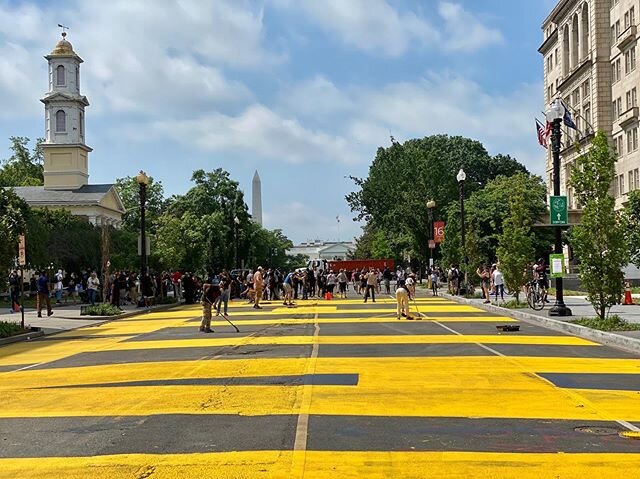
(65, 317)
(580, 307)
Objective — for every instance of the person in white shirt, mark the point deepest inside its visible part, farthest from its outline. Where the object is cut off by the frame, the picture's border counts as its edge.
(402, 301)
(410, 284)
(498, 282)
(93, 283)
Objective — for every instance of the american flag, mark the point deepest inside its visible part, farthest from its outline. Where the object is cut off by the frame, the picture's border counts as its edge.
(543, 133)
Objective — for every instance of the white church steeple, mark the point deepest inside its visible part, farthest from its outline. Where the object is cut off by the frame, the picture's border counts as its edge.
(65, 151)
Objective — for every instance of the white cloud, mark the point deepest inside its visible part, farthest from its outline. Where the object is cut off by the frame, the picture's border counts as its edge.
(261, 132)
(376, 26)
(167, 58)
(307, 222)
(464, 31)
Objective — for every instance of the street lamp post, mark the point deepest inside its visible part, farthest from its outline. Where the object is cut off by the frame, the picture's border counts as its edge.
(461, 177)
(143, 181)
(236, 222)
(431, 206)
(555, 114)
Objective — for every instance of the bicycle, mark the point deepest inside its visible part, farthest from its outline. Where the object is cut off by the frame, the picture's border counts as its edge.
(534, 296)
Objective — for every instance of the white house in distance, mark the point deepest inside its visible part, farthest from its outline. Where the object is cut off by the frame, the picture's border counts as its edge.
(66, 155)
(329, 250)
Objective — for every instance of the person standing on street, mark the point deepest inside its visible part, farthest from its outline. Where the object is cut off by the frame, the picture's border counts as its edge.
(93, 283)
(225, 292)
(58, 286)
(342, 283)
(43, 294)
(14, 290)
(258, 285)
(498, 283)
(287, 286)
(371, 282)
(386, 276)
(485, 282)
(435, 277)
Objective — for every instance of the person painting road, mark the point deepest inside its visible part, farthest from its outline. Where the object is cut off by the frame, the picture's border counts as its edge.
(210, 294)
(403, 295)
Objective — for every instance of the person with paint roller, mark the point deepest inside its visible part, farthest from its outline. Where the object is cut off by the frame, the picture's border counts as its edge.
(403, 295)
(210, 294)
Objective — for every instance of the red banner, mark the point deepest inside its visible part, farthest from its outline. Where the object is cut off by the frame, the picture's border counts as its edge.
(438, 231)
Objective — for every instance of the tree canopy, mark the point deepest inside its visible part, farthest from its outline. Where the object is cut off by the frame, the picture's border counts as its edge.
(403, 177)
(25, 167)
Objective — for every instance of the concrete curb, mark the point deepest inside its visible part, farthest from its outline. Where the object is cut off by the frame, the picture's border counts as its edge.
(106, 319)
(603, 337)
(22, 337)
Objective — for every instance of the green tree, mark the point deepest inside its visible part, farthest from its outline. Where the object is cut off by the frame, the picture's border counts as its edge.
(599, 241)
(515, 244)
(56, 237)
(632, 226)
(129, 191)
(485, 212)
(403, 177)
(13, 214)
(24, 167)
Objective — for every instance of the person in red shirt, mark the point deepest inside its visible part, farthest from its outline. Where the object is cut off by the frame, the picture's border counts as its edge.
(175, 279)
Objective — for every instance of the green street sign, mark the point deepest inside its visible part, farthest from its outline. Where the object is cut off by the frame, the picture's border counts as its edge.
(559, 210)
(556, 265)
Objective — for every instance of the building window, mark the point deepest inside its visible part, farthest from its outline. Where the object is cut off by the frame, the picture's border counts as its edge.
(616, 187)
(587, 116)
(586, 89)
(630, 60)
(78, 78)
(634, 97)
(636, 179)
(634, 134)
(621, 184)
(61, 121)
(630, 183)
(60, 76)
(618, 144)
(617, 70)
(81, 126)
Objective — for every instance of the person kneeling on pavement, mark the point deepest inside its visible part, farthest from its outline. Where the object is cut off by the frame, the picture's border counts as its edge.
(210, 293)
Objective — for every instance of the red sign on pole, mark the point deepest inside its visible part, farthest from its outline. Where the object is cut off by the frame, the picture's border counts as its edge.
(438, 231)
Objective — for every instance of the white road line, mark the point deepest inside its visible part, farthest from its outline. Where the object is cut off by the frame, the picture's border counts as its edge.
(302, 428)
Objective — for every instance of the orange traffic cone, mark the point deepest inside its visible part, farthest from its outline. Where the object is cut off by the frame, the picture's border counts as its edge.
(628, 300)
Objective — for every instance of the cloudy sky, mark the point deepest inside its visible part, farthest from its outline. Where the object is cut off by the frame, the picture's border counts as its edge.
(302, 90)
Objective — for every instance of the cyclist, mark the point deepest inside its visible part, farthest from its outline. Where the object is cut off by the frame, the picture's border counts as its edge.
(540, 275)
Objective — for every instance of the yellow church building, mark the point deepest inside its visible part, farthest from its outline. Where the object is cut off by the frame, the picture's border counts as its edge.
(66, 154)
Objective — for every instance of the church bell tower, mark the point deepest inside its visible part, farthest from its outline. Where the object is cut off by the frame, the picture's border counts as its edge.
(65, 153)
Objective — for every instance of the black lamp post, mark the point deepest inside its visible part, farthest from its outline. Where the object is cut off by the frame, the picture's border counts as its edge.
(236, 222)
(555, 114)
(143, 181)
(430, 207)
(461, 177)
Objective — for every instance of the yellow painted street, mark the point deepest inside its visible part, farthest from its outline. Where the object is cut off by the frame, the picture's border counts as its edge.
(326, 389)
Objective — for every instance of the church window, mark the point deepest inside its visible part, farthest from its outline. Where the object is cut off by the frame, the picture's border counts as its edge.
(60, 75)
(61, 121)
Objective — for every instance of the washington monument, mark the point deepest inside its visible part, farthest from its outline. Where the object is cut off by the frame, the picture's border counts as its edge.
(256, 199)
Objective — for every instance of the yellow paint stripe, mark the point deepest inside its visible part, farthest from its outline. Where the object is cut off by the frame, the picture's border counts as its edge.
(481, 366)
(391, 339)
(324, 464)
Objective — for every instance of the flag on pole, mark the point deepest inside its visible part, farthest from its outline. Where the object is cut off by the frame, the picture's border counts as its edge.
(568, 119)
(543, 133)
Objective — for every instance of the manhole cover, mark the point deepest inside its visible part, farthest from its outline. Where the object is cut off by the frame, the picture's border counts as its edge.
(597, 430)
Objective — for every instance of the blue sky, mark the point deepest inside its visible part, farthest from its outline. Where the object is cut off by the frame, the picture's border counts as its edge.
(304, 91)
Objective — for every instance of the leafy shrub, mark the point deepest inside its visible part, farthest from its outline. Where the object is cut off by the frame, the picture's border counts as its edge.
(610, 323)
(10, 329)
(102, 309)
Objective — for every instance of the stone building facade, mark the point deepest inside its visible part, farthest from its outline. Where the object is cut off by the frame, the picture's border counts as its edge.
(589, 53)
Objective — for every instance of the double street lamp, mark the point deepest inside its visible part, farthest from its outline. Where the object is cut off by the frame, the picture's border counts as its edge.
(236, 222)
(430, 207)
(143, 181)
(555, 115)
(461, 177)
